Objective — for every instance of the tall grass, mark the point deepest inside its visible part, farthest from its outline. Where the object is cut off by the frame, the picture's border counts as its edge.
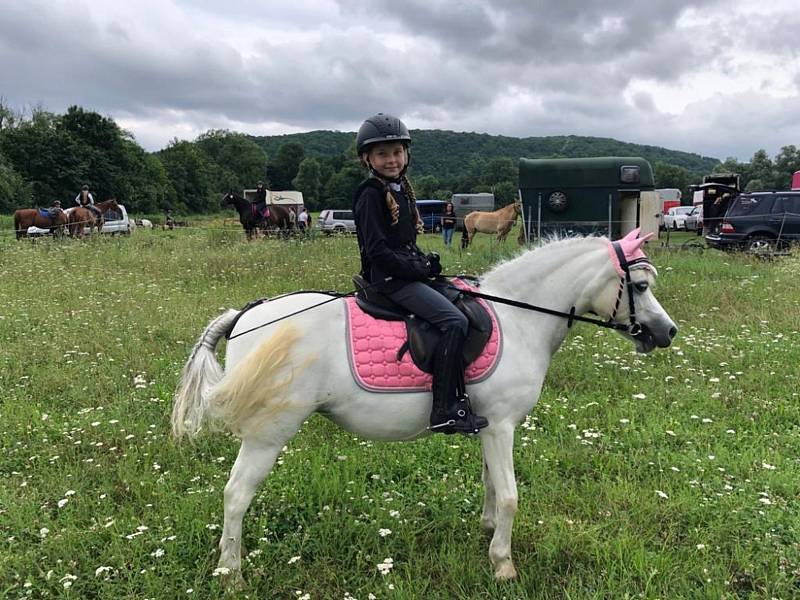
(670, 475)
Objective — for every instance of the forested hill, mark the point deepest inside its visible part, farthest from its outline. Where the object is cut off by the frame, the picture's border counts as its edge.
(449, 153)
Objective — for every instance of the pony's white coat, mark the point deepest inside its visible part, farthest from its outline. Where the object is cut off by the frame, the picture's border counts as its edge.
(572, 272)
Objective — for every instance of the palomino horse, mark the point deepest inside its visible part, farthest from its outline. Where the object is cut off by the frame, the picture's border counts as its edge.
(253, 216)
(33, 217)
(500, 221)
(81, 217)
(259, 398)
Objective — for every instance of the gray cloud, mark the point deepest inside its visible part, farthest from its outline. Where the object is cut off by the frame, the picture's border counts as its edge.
(604, 68)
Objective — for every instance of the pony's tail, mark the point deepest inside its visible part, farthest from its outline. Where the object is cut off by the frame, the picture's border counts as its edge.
(201, 372)
(254, 390)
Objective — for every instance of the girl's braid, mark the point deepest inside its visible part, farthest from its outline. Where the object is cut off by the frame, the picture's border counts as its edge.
(412, 196)
(394, 208)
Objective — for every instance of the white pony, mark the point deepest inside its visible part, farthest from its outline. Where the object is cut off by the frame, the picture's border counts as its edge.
(257, 398)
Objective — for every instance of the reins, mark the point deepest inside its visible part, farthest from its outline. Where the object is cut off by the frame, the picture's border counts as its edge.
(634, 328)
(570, 316)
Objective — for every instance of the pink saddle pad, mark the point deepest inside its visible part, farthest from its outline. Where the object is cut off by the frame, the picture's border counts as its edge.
(372, 351)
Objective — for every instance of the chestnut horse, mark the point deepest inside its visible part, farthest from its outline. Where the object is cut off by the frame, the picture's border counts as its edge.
(81, 217)
(254, 216)
(55, 221)
(500, 221)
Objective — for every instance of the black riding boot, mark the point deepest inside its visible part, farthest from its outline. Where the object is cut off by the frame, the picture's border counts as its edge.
(451, 411)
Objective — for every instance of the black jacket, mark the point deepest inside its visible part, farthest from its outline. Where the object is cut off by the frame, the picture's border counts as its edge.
(387, 250)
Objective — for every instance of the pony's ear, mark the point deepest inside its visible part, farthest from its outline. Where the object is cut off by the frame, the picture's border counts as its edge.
(632, 235)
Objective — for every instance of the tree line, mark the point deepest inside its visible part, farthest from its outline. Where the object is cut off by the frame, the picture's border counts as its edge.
(46, 156)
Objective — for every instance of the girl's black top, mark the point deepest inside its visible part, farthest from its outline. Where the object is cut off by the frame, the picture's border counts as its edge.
(448, 220)
(387, 251)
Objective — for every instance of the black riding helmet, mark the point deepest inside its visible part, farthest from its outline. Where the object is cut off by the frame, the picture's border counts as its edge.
(382, 128)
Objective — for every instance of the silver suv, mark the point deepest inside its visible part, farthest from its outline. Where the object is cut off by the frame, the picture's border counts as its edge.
(336, 221)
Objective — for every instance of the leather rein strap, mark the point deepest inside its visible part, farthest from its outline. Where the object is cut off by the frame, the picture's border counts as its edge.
(633, 328)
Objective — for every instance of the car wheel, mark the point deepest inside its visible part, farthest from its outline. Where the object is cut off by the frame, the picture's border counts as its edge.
(675, 225)
(760, 244)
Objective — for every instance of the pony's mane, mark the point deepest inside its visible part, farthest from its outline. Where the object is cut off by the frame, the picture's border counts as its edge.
(552, 249)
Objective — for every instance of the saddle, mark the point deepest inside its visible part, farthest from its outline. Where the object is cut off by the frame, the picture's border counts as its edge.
(260, 210)
(422, 337)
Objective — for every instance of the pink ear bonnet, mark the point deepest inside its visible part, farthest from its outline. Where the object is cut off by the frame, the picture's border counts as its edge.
(631, 246)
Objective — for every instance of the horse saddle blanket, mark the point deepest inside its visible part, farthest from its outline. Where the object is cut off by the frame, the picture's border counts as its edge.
(50, 213)
(260, 209)
(397, 356)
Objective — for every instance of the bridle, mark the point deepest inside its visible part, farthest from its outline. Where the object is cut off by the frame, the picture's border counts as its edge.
(634, 328)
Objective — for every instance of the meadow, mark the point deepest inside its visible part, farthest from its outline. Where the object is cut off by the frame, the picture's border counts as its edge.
(667, 475)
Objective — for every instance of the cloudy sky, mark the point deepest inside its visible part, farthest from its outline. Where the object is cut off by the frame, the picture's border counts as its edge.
(716, 77)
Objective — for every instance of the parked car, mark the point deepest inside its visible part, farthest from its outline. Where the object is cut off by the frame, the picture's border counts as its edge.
(116, 222)
(694, 220)
(336, 221)
(759, 221)
(676, 217)
(431, 212)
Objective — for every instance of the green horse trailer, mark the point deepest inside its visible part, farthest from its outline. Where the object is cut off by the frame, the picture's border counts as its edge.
(608, 196)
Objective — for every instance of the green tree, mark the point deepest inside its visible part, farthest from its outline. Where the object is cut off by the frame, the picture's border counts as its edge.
(425, 186)
(237, 161)
(762, 172)
(188, 171)
(13, 192)
(672, 176)
(505, 192)
(340, 188)
(787, 162)
(48, 158)
(499, 170)
(309, 181)
(283, 169)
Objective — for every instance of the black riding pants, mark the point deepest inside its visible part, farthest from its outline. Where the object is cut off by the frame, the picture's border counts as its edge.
(431, 305)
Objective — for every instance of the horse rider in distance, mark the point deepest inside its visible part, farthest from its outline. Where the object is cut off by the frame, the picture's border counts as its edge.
(85, 199)
(54, 209)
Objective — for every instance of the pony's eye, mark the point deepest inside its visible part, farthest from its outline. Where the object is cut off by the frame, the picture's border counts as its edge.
(641, 286)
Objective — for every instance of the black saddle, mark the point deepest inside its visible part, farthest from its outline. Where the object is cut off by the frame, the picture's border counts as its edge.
(422, 336)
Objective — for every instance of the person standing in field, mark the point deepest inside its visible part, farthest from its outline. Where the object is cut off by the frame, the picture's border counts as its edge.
(448, 223)
(387, 223)
(302, 220)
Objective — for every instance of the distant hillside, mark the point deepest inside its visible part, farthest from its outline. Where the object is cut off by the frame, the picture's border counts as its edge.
(447, 153)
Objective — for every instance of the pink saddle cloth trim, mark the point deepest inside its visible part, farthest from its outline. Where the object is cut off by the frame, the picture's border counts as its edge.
(372, 352)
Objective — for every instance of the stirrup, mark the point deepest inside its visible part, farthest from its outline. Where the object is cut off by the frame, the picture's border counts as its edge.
(469, 426)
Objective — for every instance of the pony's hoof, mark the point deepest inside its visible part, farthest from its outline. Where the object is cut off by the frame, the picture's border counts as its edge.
(505, 572)
(233, 580)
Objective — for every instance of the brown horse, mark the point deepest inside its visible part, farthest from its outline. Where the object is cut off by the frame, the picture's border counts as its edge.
(500, 221)
(262, 216)
(81, 217)
(55, 221)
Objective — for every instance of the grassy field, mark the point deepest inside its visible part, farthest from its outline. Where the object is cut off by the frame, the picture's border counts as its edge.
(670, 475)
